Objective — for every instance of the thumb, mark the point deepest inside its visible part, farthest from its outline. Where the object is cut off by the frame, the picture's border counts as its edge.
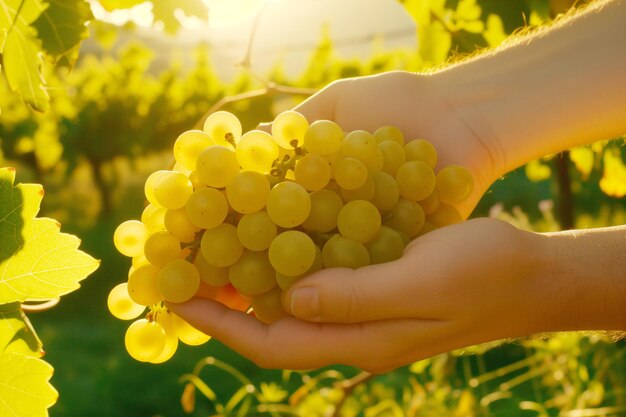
(343, 295)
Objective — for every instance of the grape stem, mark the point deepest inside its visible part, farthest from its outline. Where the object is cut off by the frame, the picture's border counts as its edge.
(195, 246)
(280, 168)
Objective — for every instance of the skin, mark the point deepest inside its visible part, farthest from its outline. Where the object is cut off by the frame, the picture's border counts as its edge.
(483, 279)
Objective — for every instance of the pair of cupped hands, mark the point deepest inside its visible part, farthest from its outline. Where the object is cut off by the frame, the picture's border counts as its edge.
(457, 286)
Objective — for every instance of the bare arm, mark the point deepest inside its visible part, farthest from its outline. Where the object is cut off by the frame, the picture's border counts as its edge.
(561, 87)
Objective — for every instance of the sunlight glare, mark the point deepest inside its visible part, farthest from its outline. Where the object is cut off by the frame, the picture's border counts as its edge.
(141, 14)
(224, 13)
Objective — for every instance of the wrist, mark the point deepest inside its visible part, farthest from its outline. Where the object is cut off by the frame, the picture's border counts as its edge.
(583, 279)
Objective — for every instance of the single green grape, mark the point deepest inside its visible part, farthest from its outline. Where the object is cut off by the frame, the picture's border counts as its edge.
(393, 156)
(223, 128)
(359, 220)
(143, 285)
(206, 208)
(323, 138)
(312, 172)
(289, 126)
(153, 217)
(248, 192)
(386, 247)
(292, 253)
(454, 184)
(325, 207)
(285, 281)
(268, 306)
(341, 252)
(121, 305)
(252, 273)
(288, 204)
(416, 180)
(150, 185)
(350, 173)
(391, 133)
(220, 246)
(178, 223)
(144, 340)
(130, 237)
(217, 166)
(172, 189)
(161, 248)
(179, 281)
(406, 217)
(256, 230)
(386, 192)
(361, 145)
(421, 150)
(189, 145)
(256, 151)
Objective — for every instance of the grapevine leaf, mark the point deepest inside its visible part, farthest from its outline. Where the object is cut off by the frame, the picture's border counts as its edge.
(37, 262)
(24, 387)
(110, 5)
(20, 57)
(16, 332)
(61, 27)
(163, 11)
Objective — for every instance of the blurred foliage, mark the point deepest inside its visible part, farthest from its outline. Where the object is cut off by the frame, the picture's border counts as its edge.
(569, 374)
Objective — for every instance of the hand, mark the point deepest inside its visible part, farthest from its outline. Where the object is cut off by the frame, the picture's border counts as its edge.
(417, 105)
(464, 284)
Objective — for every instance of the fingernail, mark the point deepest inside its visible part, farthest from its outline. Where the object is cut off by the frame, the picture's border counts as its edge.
(305, 303)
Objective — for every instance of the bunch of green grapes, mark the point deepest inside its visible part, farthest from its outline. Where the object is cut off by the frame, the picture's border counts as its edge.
(241, 217)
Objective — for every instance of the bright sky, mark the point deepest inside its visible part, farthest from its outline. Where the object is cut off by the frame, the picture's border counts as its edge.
(287, 31)
(223, 13)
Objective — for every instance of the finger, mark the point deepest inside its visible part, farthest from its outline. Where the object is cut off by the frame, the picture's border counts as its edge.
(320, 106)
(295, 344)
(403, 288)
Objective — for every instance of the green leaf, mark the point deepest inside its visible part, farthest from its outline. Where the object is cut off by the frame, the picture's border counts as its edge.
(20, 56)
(24, 387)
(37, 262)
(110, 5)
(61, 27)
(16, 332)
(16, 204)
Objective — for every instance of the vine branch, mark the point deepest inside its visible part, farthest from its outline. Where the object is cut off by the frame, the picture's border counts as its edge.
(348, 386)
(269, 87)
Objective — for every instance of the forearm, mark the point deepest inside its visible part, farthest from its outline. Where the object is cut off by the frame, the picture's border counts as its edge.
(543, 93)
(583, 279)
